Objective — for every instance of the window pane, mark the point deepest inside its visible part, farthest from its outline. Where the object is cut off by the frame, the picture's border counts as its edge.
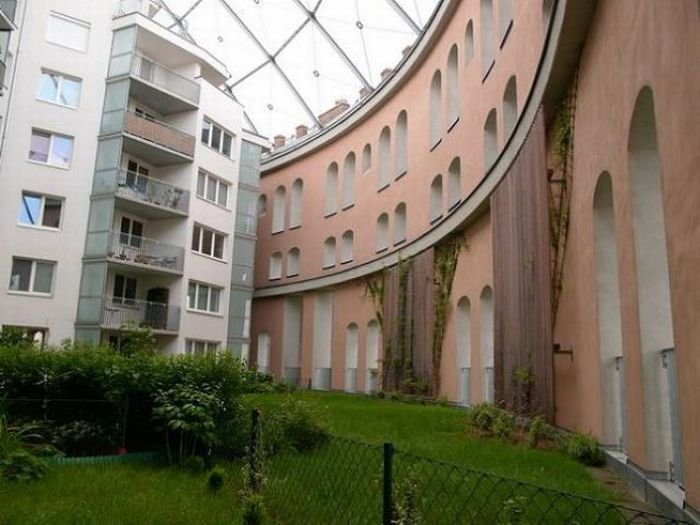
(70, 92)
(39, 147)
(48, 87)
(199, 347)
(201, 182)
(195, 238)
(130, 289)
(202, 297)
(223, 194)
(219, 246)
(216, 137)
(188, 346)
(118, 290)
(30, 209)
(191, 295)
(211, 190)
(206, 131)
(214, 307)
(52, 213)
(207, 241)
(61, 151)
(21, 272)
(228, 139)
(43, 277)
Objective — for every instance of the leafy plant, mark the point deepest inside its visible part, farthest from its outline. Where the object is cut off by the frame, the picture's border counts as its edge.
(254, 512)
(513, 512)
(295, 424)
(405, 511)
(22, 465)
(584, 449)
(491, 420)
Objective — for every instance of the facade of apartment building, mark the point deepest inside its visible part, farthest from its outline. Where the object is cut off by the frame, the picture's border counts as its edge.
(121, 184)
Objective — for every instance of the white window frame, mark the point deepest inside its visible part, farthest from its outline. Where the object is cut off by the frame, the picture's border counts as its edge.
(40, 220)
(224, 132)
(215, 234)
(52, 135)
(208, 347)
(32, 277)
(211, 179)
(210, 287)
(59, 89)
(72, 20)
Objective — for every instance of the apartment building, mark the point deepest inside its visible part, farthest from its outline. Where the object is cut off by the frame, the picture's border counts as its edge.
(121, 182)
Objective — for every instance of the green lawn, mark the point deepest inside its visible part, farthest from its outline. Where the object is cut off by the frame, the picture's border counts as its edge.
(340, 483)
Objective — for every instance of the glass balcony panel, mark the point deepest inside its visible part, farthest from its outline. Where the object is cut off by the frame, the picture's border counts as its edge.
(146, 252)
(118, 312)
(134, 186)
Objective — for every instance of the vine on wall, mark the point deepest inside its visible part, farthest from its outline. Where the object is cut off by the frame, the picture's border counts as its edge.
(444, 268)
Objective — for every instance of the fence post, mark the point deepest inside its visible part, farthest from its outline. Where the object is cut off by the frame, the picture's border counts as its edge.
(387, 496)
(253, 452)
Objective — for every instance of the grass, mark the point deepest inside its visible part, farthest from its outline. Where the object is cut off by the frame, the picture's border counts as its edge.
(116, 494)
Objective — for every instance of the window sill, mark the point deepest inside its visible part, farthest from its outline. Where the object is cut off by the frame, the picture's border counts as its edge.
(400, 175)
(380, 250)
(204, 312)
(434, 146)
(274, 278)
(38, 228)
(488, 71)
(30, 294)
(329, 267)
(295, 227)
(57, 104)
(347, 261)
(210, 257)
(47, 165)
(454, 205)
(213, 203)
(399, 243)
(452, 126)
(382, 188)
(330, 214)
(436, 219)
(506, 33)
(348, 206)
(277, 232)
(293, 275)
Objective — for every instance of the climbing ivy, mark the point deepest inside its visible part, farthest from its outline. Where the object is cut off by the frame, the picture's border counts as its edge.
(374, 287)
(444, 268)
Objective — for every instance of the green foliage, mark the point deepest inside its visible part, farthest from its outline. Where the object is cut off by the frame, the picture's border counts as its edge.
(294, 424)
(254, 512)
(536, 431)
(584, 449)
(195, 464)
(513, 512)
(78, 438)
(216, 479)
(137, 340)
(491, 420)
(405, 511)
(14, 337)
(22, 465)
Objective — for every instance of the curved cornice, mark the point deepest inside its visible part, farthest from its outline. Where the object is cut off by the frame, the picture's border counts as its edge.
(355, 116)
(557, 52)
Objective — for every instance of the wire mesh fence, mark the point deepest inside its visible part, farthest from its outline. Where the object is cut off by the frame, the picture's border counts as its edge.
(349, 482)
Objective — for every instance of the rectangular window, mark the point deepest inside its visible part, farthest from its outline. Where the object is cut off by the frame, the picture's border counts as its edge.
(40, 210)
(68, 32)
(59, 89)
(31, 276)
(203, 297)
(51, 148)
(208, 242)
(212, 189)
(217, 138)
(131, 232)
(124, 291)
(199, 348)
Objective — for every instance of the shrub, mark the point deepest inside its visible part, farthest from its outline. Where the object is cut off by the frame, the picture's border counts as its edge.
(513, 512)
(216, 480)
(79, 438)
(22, 465)
(254, 510)
(294, 424)
(537, 431)
(195, 464)
(585, 449)
(491, 420)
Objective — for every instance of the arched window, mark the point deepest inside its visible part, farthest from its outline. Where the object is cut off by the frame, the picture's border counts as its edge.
(352, 342)
(263, 359)
(436, 198)
(366, 158)
(464, 350)
(331, 200)
(653, 288)
(346, 248)
(510, 108)
(400, 223)
(486, 29)
(384, 158)
(262, 205)
(452, 87)
(349, 180)
(372, 356)
(609, 320)
(329, 252)
(490, 140)
(435, 109)
(296, 203)
(401, 144)
(469, 43)
(454, 183)
(278, 210)
(275, 269)
(547, 6)
(486, 340)
(293, 262)
(382, 232)
(505, 17)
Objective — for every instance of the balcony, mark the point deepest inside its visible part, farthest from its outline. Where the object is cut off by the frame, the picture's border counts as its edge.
(161, 88)
(148, 197)
(7, 15)
(154, 141)
(145, 254)
(118, 313)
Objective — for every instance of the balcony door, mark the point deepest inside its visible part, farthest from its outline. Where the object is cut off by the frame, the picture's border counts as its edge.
(136, 175)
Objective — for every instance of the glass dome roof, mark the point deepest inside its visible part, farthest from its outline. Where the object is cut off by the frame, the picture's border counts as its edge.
(292, 60)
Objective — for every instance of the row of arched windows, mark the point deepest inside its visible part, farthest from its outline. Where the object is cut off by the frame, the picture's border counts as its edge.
(346, 250)
(275, 268)
(400, 228)
(279, 206)
(454, 188)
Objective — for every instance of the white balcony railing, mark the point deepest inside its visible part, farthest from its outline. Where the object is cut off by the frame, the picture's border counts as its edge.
(161, 76)
(145, 252)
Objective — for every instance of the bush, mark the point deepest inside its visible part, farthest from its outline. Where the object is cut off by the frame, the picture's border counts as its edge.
(539, 430)
(293, 424)
(78, 438)
(254, 510)
(215, 482)
(585, 449)
(491, 420)
(22, 465)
